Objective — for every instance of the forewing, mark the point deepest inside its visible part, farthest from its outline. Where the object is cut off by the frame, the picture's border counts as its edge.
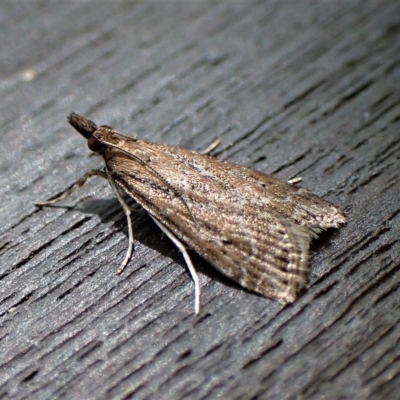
(253, 228)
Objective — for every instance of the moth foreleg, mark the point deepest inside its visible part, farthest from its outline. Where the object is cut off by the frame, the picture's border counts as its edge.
(76, 185)
(188, 261)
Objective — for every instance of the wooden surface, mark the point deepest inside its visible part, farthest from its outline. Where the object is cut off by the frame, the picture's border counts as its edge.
(307, 88)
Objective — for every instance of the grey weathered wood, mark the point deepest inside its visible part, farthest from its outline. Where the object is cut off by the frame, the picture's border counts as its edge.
(306, 88)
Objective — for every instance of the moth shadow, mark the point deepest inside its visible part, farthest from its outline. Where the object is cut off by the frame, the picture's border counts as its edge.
(323, 240)
(147, 233)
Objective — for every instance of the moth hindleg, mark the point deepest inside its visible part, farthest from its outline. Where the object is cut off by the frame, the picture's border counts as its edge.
(188, 261)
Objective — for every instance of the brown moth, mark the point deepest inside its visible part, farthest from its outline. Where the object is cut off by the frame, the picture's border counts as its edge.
(251, 227)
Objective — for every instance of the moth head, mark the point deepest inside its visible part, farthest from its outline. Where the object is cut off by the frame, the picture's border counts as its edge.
(86, 128)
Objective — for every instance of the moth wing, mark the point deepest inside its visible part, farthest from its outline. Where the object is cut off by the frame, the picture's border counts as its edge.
(251, 227)
(271, 261)
(264, 191)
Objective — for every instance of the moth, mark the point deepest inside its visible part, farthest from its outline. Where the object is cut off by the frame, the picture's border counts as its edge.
(251, 227)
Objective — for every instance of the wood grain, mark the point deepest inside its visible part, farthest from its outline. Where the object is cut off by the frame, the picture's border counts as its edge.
(306, 88)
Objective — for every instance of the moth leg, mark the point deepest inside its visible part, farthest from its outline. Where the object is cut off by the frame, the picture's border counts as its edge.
(211, 147)
(76, 185)
(128, 213)
(188, 261)
(293, 181)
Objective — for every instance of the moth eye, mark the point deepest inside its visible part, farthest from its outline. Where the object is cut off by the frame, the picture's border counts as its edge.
(94, 144)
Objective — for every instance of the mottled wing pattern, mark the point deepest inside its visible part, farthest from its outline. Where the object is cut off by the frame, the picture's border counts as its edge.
(251, 227)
